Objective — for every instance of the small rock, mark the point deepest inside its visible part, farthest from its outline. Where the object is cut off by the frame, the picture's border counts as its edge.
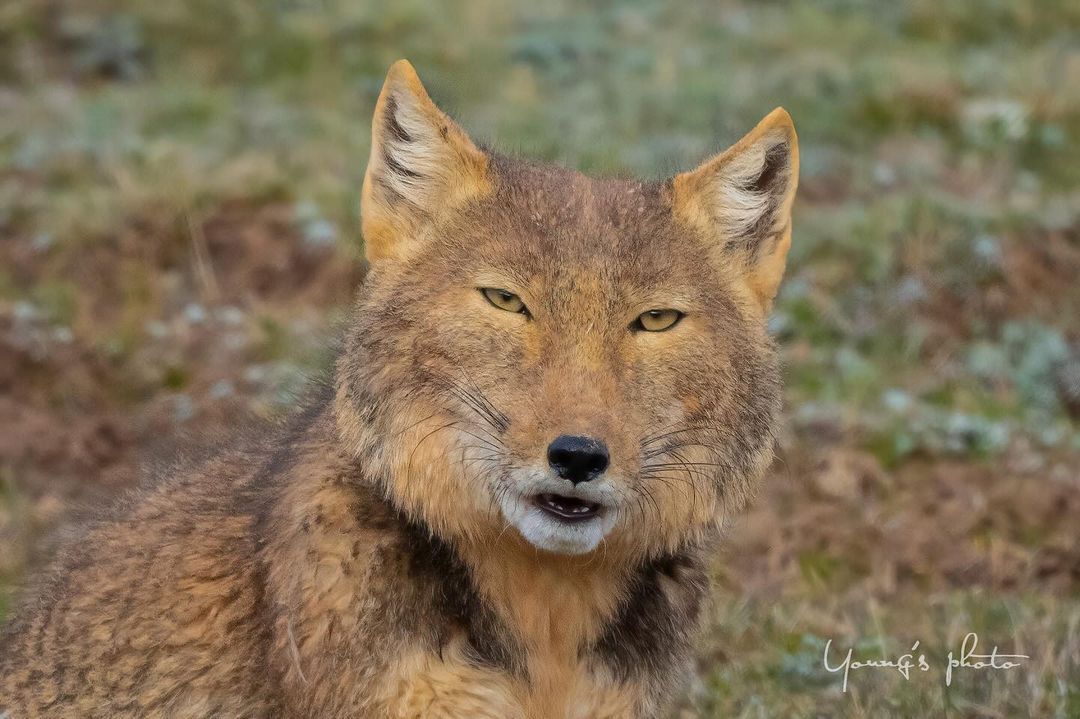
(884, 174)
(320, 233)
(255, 374)
(157, 329)
(222, 389)
(42, 241)
(897, 400)
(25, 312)
(183, 408)
(195, 313)
(230, 315)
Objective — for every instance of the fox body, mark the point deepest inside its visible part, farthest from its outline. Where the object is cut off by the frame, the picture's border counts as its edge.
(553, 393)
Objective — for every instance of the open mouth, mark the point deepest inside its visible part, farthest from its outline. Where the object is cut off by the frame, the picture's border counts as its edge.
(568, 509)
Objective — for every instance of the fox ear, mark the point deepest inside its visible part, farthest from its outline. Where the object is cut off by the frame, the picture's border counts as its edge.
(741, 199)
(421, 163)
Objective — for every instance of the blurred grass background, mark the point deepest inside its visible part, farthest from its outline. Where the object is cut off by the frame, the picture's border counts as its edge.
(179, 235)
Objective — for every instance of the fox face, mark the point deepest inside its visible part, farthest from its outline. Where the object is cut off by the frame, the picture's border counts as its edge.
(577, 364)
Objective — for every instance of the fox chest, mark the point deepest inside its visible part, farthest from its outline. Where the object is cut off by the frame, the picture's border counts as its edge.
(401, 627)
(453, 686)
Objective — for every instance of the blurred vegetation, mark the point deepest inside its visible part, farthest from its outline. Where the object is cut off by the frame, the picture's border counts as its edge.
(940, 142)
(931, 309)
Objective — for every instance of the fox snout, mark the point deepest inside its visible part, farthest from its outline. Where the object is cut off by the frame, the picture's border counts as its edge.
(577, 458)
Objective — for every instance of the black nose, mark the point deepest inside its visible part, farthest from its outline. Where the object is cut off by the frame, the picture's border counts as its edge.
(578, 459)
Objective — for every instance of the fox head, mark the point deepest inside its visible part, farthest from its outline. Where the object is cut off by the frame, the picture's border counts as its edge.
(578, 364)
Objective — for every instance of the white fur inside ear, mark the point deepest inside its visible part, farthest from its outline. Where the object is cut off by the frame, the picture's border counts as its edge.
(417, 158)
(740, 201)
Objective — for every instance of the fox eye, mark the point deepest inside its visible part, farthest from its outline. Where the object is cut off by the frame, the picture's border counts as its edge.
(657, 320)
(504, 300)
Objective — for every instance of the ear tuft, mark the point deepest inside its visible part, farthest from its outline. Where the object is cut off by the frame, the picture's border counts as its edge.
(393, 126)
(772, 182)
(397, 143)
(741, 199)
(421, 163)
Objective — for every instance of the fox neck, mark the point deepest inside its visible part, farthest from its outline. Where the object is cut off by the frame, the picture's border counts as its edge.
(556, 607)
(558, 603)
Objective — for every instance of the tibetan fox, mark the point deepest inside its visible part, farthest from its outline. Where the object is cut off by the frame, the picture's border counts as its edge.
(553, 392)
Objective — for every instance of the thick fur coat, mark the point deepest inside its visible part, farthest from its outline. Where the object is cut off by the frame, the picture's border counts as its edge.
(397, 549)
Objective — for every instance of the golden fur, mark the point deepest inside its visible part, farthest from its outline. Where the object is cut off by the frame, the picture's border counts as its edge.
(368, 558)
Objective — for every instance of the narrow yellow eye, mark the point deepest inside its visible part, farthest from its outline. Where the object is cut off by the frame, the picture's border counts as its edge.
(504, 300)
(657, 320)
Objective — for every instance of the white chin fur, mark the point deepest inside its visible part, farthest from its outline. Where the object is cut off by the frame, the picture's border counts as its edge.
(550, 533)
